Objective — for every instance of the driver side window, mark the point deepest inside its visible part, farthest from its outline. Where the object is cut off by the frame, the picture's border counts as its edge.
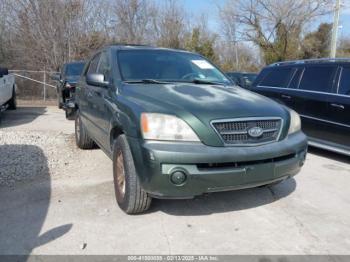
(104, 66)
(94, 64)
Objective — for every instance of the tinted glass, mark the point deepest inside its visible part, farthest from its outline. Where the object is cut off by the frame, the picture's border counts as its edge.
(93, 64)
(277, 77)
(74, 69)
(104, 66)
(248, 79)
(318, 78)
(296, 78)
(167, 66)
(344, 87)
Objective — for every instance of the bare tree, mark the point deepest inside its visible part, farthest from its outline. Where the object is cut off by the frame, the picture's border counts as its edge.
(133, 20)
(49, 33)
(275, 25)
(171, 24)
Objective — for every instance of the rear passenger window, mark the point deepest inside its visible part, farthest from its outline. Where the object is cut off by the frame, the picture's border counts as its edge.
(277, 77)
(318, 78)
(295, 80)
(344, 87)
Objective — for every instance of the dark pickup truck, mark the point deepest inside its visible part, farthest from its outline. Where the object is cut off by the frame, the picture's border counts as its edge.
(66, 82)
(175, 127)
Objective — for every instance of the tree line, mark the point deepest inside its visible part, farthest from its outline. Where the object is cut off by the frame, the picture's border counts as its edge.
(43, 34)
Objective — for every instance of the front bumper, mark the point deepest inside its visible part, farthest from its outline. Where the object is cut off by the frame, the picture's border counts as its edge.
(212, 169)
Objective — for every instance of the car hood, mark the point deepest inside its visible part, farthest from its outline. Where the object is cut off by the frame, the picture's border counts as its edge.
(198, 105)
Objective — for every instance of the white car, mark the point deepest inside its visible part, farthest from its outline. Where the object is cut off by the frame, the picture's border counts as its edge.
(7, 90)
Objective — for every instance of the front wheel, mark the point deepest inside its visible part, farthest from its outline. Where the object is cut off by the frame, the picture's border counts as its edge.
(130, 196)
(59, 102)
(13, 100)
(70, 114)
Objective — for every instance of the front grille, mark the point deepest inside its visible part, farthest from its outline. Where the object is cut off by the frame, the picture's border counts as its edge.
(237, 132)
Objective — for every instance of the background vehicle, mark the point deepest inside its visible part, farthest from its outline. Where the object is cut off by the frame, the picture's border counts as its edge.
(319, 90)
(176, 127)
(242, 79)
(7, 90)
(66, 82)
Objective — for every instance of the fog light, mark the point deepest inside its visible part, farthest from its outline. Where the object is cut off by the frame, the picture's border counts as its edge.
(178, 178)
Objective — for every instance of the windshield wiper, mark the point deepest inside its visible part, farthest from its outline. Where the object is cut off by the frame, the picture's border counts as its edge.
(205, 82)
(146, 81)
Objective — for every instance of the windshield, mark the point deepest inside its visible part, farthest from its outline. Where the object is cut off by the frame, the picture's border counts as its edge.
(169, 66)
(74, 69)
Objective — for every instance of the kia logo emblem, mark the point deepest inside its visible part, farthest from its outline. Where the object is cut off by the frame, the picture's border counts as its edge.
(255, 132)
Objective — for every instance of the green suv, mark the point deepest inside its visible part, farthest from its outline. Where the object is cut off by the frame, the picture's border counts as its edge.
(175, 127)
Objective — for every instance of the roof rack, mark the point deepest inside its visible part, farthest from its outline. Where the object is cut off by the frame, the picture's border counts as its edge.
(306, 61)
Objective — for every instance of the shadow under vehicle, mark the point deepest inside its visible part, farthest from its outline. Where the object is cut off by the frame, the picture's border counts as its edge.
(23, 115)
(66, 82)
(319, 90)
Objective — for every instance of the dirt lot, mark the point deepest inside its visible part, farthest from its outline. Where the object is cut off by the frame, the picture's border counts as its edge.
(56, 199)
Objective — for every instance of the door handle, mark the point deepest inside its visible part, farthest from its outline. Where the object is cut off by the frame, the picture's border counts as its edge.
(286, 96)
(338, 106)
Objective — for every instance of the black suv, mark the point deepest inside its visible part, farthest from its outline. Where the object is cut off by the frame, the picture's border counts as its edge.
(66, 82)
(319, 90)
(176, 127)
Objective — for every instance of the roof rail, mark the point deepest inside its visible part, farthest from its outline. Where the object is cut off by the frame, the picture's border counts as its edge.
(125, 44)
(306, 61)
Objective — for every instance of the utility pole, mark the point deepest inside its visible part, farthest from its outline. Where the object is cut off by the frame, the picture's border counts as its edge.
(333, 52)
(236, 55)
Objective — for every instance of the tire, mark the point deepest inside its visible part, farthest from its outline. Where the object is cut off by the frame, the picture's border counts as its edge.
(70, 114)
(13, 101)
(82, 138)
(129, 195)
(59, 103)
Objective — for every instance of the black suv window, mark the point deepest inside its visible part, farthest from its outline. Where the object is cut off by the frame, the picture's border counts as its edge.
(294, 83)
(277, 77)
(344, 87)
(318, 78)
(104, 66)
(94, 64)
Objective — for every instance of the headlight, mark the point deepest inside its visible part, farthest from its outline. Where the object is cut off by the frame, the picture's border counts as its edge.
(166, 127)
(295, 122)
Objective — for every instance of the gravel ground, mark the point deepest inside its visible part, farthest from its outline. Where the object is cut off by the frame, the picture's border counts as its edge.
(20, 164)
(56, 199)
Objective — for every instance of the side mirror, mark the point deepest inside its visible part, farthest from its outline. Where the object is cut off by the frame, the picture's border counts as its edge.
(56, 77)
(96, 80)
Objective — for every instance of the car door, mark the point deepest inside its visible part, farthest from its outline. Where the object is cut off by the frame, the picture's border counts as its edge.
(315, 88)
(102, 99)
(339, 109)
(87, 100)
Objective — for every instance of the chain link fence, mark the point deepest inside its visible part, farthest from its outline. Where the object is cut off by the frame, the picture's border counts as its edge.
(35, 85)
